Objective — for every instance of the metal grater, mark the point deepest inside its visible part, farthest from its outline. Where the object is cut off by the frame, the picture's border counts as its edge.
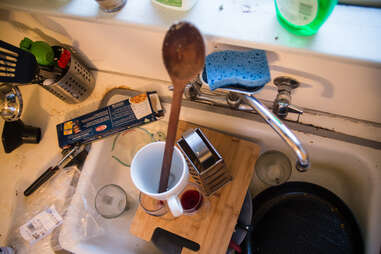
(207, 167)
(75, 86)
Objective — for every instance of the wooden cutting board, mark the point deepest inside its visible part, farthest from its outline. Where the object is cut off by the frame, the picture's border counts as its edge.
(214, 231)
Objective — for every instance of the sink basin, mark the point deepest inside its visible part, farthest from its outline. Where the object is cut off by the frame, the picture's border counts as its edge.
(84, 231)
(350, 171)
(347, 176)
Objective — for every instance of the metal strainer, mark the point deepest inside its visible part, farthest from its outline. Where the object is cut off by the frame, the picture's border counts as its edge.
(75, 86)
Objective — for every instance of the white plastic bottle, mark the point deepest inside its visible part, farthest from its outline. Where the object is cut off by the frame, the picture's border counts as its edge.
(181, 5)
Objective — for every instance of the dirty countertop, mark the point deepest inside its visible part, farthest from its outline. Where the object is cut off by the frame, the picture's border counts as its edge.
(41, 109)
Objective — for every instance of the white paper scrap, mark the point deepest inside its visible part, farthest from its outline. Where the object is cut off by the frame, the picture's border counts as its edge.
(41, 225)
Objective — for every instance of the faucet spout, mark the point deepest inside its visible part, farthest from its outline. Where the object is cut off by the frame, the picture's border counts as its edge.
(283, 131)
(234, 99)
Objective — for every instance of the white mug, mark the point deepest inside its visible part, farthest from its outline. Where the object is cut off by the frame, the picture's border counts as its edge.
(146, 169)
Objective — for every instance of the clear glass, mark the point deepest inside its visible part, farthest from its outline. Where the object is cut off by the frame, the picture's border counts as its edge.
(135, 139)
(111, 201)
(192, 199)
(194, 202)
(182, 5)
(324, 9)
(152, 206)
(111, 5)
(273, 168)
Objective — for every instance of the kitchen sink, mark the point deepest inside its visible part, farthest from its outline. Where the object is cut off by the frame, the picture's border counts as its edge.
(350, 171)
(84, 231)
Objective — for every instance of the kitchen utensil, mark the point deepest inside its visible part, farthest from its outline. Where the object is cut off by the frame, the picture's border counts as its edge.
(52, 170)
(145, 174)
(42, 51)
(111, 201)
(75, 85)
(79, 159)
(64, 59)
(16, 133)
(248, 247)
(300, 217)
(16, 65)
(171, 243)
(273, 168)
(247, 95)
(234, 246)
(214, 232)
(11, 103)
(244, 219)
(7, 250)
(207, 166)
(184, 57)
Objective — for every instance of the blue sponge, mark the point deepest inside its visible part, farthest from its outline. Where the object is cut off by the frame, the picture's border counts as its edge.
(244, 68)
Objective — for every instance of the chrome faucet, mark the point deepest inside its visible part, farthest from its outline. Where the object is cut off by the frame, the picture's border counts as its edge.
(247, 102)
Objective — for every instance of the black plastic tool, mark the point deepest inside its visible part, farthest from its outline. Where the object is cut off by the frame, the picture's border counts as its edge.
(17, 65)
(49, 173)
(171, 243)
(17, 133)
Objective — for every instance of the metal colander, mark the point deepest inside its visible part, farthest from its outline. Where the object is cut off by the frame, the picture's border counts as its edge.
(76, 85)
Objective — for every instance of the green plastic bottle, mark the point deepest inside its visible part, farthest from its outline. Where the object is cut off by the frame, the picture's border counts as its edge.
(41, 50)
(303, 17)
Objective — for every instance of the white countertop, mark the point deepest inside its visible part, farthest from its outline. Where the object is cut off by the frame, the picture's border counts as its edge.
(351, 33)
(42, 109)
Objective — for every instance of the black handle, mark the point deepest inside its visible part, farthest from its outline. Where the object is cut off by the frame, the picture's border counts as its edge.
(169, 242)
(249, 242)
(42, 179)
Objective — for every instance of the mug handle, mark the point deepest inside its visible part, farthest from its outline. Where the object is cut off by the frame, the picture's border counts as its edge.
(175, 206)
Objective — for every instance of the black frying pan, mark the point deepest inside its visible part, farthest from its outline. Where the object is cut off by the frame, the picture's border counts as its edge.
(300, 217)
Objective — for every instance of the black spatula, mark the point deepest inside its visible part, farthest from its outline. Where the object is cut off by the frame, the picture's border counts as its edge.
(16, 65)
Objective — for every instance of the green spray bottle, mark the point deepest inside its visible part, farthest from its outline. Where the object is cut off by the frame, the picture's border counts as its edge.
(303, 17)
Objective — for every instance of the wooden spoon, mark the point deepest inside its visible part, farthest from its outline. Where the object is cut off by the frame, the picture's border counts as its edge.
(184, 58)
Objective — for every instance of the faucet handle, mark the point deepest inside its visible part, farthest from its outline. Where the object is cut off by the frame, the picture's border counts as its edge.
(282, 103)
(295, 109)
(286, 83)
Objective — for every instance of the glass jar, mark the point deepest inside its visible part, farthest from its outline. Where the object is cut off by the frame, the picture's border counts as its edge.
(182, 5)
(111, 5)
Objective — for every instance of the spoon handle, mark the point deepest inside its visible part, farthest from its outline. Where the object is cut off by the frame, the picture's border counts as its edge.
(171, 134)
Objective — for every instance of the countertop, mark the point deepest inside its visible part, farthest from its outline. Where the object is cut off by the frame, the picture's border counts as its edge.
(41, 109)
(351, 33)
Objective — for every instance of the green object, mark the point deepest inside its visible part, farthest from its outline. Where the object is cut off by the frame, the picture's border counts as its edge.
(175, 3)
(41, 50)
(303, 17)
